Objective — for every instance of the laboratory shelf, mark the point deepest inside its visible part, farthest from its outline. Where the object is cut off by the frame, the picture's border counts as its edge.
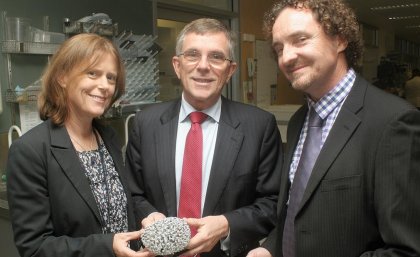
(28, 47)
(13, 96)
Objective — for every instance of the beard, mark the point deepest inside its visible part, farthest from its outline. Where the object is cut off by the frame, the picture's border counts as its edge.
(301, 81)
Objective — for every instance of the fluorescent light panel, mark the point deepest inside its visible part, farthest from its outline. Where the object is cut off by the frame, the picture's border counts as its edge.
(397, 6)
(404, 17)
(413, 26)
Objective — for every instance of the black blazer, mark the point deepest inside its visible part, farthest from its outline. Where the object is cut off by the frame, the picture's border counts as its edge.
(244, 178)
(52, 208)
(362, 196)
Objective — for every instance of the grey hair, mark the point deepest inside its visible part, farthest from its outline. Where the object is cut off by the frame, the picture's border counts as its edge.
(206, 26)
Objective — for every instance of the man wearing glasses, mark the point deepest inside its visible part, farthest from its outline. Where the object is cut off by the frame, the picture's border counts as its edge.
(227, 185)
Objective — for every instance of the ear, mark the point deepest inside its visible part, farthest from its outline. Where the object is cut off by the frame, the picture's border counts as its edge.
(62, 81)
(232, 69)
(176, 63)
(341, 44)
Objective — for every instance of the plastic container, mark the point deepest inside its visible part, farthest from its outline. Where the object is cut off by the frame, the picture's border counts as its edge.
(18, 29)
(41, 36)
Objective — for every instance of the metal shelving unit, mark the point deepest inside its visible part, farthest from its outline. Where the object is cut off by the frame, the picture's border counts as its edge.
(17, 47)
(10, 47)
(138, 52)
(13, 96)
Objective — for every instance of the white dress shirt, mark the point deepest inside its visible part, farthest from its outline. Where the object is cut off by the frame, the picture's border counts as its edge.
(209, 127)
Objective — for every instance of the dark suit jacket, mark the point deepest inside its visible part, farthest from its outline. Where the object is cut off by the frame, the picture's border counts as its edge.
(362, 196)
(244, 177)
(52, 208)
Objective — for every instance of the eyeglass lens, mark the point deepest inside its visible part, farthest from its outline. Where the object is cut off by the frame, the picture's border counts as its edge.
(214, 58)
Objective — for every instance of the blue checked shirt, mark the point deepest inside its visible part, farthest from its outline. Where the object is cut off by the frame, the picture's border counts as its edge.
(327, 108)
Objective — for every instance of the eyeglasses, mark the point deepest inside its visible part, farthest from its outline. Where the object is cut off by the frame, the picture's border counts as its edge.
(215, 59)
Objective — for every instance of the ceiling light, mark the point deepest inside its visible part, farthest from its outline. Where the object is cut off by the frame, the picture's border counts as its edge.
(404, 17)
(413, 26)
(397, 6)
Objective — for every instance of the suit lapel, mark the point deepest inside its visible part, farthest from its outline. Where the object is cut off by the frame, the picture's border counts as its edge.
(65, 155)
(113, 147)
(165, 141)
(344, 126)
(228, 144)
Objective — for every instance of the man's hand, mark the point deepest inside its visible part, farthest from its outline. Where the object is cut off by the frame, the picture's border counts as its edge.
(152, 218)
(210, 230)
(259, 252)
(121, 245)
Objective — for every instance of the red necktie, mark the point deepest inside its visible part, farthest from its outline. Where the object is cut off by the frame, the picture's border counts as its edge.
(190, 193)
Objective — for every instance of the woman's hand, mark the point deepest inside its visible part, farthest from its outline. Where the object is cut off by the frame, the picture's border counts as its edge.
(121, 245)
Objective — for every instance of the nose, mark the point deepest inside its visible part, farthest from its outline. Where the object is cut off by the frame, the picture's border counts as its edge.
(103, 83)
(203, 63)
(288, 55)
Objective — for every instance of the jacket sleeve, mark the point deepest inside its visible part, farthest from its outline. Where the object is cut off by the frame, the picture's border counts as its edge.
(397, 173)
(271, 242)
(134, 158)
(255, 221)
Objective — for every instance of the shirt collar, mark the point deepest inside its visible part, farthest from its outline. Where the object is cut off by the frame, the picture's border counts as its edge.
(213, 112)
(335, 96)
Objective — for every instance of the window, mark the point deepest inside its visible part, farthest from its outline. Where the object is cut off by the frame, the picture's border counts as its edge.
(170, 86)
(217, 4)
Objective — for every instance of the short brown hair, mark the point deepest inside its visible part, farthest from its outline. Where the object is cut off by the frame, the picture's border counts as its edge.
(80, 50)
(336, 18)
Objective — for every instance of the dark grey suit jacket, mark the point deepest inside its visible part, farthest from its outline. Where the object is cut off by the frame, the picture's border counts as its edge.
(362, 196)
(244, 179)
(52, 208)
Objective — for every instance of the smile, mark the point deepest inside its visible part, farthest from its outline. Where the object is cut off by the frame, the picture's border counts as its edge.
(98, 98)
(203, 80)
(295, 69)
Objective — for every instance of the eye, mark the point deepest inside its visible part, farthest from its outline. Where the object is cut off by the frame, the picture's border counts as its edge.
(111, 78)
(92, 74)
(217, 56)
(300, 40)
(192, 54)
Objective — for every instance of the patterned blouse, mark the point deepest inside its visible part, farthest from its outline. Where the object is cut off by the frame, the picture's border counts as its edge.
(107, 189)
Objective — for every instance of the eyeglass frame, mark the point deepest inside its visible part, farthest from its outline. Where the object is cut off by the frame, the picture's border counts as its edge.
(208, 59)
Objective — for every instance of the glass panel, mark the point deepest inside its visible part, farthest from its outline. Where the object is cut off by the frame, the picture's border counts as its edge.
(218, 4)
(170, 86)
